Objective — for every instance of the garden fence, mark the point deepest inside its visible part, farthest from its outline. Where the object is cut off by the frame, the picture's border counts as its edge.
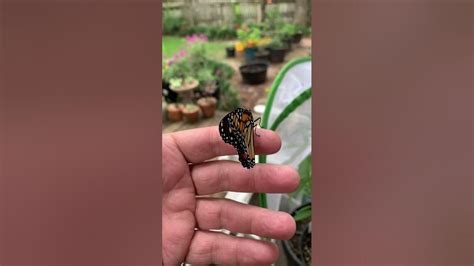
(222, 13)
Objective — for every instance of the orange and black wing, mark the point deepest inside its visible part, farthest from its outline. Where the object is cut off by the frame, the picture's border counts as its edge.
(236, 128)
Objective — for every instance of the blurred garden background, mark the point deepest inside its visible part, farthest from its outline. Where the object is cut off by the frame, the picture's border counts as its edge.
(222, 54)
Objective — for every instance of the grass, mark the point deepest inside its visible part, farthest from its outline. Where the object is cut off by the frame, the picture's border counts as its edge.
(172, 44)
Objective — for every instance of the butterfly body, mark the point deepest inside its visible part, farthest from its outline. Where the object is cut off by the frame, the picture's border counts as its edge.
(237, 129)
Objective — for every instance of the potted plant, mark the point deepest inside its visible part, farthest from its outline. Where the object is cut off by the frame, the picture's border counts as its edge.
(305, 245)
(184, 84)
(254, 72)
(292, 247)
(298, 34)
(174, 111)
(208, 106)
(191, 113)
(262, 55)
(207, 81)
(249, 37)
(298, 248)
(230, 51)
(278, 50)
(229, 96)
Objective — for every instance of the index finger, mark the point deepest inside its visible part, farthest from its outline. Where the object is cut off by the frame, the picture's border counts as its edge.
(201, 144)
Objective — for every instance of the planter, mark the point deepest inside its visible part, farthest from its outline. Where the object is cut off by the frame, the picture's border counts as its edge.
(208, 106)
(288, 42)
(230, 51)
(305, 245)
(191, 113)
(250, 53)
(292, 247)
(254, 73)
(170, 96)
(187, 86)
(297, 37)
(277, 55)
(262, 55)
(174, 112)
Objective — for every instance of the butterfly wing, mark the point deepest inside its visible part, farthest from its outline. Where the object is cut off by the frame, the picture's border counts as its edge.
(236, 128)
(247, 127)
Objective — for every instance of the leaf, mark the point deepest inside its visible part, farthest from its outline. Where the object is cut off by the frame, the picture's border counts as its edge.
(303, 213)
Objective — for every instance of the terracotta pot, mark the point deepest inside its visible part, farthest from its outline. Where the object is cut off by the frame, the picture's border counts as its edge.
(175, 113)
(191, 116)
(208, 106)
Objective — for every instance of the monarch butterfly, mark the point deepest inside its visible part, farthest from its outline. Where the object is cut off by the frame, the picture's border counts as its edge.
(237, 128)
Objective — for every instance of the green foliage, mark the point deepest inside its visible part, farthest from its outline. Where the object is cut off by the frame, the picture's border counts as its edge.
(238, 19)
(303, 213)
(171, 24)
(277, 41)
(180, 69)
(304, 169)
(229, 96)
(273, 19)
(247, 33)
(205, 75)
(198, 54)
(289, 29)
(212, 32)
(176, 82)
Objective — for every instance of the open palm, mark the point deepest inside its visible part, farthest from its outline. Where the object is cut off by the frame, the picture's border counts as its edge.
(187, 217)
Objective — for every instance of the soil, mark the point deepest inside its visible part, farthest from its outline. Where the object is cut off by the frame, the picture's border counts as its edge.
(307, 249)
(253, 68)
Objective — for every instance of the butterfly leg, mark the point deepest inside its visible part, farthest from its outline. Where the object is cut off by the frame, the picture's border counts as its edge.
(255, 128)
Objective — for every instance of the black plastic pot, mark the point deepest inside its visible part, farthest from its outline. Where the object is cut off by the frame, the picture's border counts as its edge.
(230, 51)
(170, 96)
(262, 55)
(305, 245)
(292, 247)
(288, 42)
(254, 73)
(277, 55)
(297, 37)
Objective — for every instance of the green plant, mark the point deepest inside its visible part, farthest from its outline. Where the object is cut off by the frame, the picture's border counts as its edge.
(249, 36)
(205, 75)
(273, 19)
(229, 97)
(288, 30)
(171, 24)
(189, 79)
(238, 19)
(176, 82)
(190, 107)
(305, 171)
(179, 69)
(303, 213)
(277, 42)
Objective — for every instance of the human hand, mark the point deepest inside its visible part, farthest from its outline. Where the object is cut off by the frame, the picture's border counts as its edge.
(186, 175)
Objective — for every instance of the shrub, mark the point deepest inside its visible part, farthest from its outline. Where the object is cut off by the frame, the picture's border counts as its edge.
(171, 24)
(229, 96)
(213, 33)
